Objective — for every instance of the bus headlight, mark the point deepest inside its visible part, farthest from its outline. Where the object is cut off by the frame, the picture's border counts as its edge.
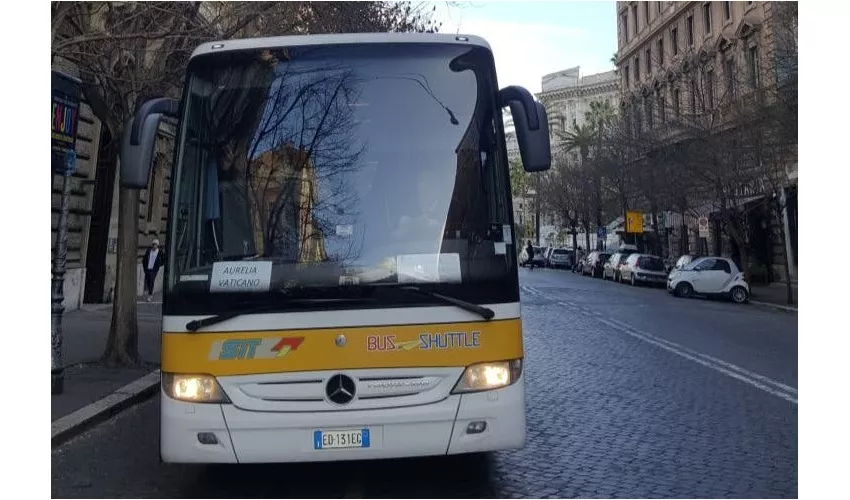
(193, 388)
(489, 376)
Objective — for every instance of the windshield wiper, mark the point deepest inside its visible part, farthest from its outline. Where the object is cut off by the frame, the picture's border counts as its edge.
(484, 312)
(197, 324)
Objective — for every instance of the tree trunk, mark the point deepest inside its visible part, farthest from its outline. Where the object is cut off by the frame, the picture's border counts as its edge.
(789, 291)
(122, 346)
(575, 244)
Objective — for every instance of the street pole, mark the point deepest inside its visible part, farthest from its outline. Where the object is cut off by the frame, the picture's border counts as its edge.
(57, 370)
(65, 100)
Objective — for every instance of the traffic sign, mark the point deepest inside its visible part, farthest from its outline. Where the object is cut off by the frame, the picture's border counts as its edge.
(602, 232)
(634, 222)
(702, 223)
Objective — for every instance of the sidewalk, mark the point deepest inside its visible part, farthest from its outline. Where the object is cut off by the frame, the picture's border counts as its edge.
(774, 294)
(84, 338)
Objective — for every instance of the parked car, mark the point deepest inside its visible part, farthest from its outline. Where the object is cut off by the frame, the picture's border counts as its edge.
(593, 263)
(711, 277)
(682, 261)
(538, 257)
(547, 253)
(643, 268)
(560, 257)
(611, 269)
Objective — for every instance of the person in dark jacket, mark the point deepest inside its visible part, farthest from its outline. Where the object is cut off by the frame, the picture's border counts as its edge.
(530, 251)
(151, 262)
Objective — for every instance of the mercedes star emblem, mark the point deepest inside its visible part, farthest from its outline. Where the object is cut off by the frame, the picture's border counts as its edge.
(340, 340)
(340, 389)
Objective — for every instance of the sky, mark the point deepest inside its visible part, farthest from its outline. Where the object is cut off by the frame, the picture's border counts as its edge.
(534, 38)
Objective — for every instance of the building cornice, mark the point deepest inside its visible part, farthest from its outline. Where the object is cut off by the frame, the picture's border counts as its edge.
(612, 86)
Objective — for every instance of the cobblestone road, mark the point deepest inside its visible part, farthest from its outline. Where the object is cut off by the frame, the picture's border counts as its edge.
(630, 393)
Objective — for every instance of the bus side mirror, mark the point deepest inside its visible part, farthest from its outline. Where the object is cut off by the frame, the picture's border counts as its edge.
(137, 142)
(531, 126)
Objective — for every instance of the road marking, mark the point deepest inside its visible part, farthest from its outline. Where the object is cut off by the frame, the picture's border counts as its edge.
(753, 379)
(743, 371)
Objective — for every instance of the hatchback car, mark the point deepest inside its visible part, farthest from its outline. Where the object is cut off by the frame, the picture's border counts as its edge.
(611, 269)
(594, 262)
(560, 257)
(711, 277)
(643, 268)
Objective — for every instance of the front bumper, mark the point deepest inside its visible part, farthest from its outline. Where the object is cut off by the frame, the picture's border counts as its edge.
(258, 436)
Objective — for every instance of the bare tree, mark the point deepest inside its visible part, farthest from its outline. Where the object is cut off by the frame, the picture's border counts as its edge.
(129, 52)
(712, 133)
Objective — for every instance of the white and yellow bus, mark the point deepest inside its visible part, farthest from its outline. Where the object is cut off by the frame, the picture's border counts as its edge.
(341, 278)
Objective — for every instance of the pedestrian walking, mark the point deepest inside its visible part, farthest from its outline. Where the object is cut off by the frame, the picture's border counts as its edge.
(152, 261)
(530, 251)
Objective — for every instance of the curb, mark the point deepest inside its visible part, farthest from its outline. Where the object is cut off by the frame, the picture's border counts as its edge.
(774, 306)
(86, 417)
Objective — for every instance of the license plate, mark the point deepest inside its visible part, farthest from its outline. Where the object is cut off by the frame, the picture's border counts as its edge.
(350, 438)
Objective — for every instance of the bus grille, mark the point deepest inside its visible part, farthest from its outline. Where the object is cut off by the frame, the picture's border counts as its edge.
(308, 391)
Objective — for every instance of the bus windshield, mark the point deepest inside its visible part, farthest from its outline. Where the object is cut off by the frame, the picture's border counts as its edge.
(330, 170)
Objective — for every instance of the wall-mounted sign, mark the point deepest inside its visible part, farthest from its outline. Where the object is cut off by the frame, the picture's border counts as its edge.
(634, 222)
(65, 103)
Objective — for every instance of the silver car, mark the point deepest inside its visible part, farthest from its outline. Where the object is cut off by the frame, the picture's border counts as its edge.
(643, 268)
(560, 257)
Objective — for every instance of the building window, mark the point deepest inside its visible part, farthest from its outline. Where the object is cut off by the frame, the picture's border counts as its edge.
(753, 59)
(637, 70)
(676, 100)
(730, 76)
(624, 19)
(647, 105)
(638, 118)
(646, 12)
(626, 75)
(658, 7)
(635, 16)
(648, 55)
(706, 17)
(709, 88)
(689, 25)
(662, 112)
(660, 52)
(693, 97)
(727, 10)
(674, 40)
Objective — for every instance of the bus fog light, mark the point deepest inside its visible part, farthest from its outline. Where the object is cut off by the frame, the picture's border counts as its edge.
(476, 427)
(207, 438)
(489, 376)
(193, 388)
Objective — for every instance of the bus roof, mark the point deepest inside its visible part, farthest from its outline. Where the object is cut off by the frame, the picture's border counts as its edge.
(336, 39)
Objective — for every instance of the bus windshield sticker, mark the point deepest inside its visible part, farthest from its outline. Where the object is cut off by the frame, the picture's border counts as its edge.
(507, 237)
(500, 247)
(252, 276)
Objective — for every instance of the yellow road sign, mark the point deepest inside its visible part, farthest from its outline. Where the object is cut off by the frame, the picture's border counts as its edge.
(634, 222)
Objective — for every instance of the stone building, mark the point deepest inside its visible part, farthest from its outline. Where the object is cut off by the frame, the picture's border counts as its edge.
(676, 58)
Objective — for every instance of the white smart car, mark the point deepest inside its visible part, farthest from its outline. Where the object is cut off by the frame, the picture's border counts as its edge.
(709, 276)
